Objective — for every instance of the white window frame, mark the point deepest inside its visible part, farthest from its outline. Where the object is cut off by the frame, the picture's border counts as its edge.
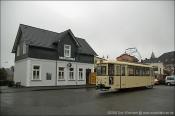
(18, 50)
(80, 74)
(24, 48)
(65, 51)
(62, 73)
(71, 74)
(36, 71)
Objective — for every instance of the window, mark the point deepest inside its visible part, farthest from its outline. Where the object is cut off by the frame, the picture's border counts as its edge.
(130, 71)
(137, 71)
(147, 72)
(123, 70)
(170, 78)
(117, 70)
(36, 72)
(155, 68)
(111, 69)
(48, 76)
(24, 48)
(141, 71)
(18, 51)
(101, 70)
(71, 74)
(80, 74)
(67, 51)
(152, 72)
(61, 73)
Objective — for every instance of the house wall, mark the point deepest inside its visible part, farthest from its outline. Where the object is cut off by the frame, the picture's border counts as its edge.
(76, 67)
(50, 54)
(49, 66)
(160, 68)
(68, 40)
(21, 56)
(20, 72)
(42, 53)
(46, 66)
(83, 58)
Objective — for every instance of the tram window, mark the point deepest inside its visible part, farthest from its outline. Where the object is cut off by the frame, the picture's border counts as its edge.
(141, 71)
(152, 73)
(123, 70)
(101, 70)
(110, 69)
(130, 71)
(117, 71)
(147, 71)
(137, 71)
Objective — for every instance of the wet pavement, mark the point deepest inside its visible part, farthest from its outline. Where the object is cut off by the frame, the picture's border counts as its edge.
(159, 100)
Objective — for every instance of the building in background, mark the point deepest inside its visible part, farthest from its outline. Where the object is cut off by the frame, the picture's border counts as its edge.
(163, 65)
(46, 58)
(168, 59)
(127, 58)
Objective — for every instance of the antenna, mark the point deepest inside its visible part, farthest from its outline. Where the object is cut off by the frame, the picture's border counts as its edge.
(133, 52)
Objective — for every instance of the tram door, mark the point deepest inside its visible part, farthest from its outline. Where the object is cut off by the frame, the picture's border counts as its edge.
(111, 73)
(123, 76)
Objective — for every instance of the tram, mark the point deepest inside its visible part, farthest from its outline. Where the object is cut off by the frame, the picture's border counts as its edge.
(113, 75)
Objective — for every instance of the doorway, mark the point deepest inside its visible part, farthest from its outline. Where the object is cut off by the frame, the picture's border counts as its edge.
(88, 71)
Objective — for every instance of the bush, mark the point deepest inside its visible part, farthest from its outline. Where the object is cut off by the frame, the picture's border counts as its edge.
(3, 82)
(11, 83)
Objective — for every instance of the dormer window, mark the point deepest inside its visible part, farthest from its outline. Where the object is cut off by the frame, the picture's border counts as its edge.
(67, 51)
(18, 51)
(24, 48)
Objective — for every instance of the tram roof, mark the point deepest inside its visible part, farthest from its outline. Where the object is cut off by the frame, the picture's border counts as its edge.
(126, 63)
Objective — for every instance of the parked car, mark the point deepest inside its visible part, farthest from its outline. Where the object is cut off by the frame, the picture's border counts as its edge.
(170, 80)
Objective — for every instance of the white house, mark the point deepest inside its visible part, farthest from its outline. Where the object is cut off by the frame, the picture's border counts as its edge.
(46, 58)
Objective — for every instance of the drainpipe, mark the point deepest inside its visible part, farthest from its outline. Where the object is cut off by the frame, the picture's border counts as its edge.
(76, 67)
(76, 73)
(57, 57)
(56, 71)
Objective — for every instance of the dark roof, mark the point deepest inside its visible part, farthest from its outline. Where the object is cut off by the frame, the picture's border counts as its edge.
(45, 38)
(152, 60)
(166, 58)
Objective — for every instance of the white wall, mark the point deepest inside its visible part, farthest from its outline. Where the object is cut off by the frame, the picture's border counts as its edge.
(23, 72)
(160, 67)
(20, 72)
(47, 66)
(76, 67)
(84, 66)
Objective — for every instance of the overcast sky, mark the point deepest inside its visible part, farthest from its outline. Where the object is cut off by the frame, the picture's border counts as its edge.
(109, 27)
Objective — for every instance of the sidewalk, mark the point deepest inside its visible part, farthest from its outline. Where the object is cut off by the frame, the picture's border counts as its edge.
(6, 89)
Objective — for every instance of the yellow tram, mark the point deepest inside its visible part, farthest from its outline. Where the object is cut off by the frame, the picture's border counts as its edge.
(119, 75)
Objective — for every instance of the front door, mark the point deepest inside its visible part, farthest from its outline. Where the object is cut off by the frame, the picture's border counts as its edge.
(88, 71)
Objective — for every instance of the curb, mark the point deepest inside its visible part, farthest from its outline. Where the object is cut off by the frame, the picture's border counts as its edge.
(26, 89)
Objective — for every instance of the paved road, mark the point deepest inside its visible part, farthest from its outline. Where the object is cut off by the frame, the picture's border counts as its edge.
(88, 101)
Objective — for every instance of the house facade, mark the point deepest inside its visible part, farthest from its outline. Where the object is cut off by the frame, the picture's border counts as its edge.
(46, 58)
